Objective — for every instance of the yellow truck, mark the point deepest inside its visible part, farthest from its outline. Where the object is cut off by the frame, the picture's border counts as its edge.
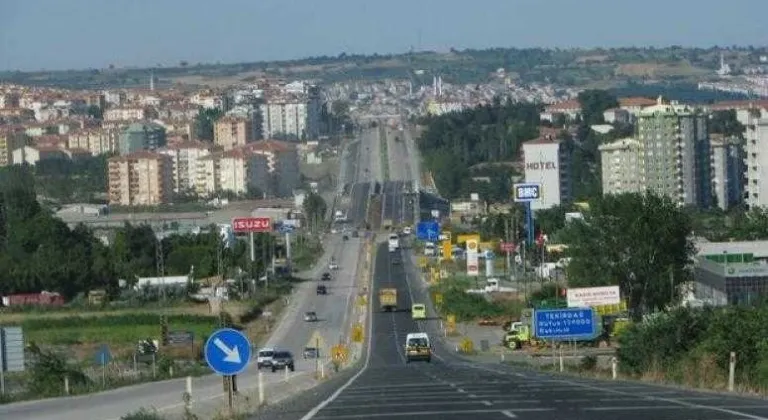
(388, 300)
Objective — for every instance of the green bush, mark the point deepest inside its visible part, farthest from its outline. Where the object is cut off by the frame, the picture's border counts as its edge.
(467, 307)
(677, 344)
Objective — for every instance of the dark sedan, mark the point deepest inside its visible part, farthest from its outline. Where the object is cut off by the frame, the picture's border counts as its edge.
(282, 360)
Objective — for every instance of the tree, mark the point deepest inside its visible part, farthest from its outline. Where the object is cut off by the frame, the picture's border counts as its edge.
(314, 211)
(593, 103)
(637, 241)
(204, 123)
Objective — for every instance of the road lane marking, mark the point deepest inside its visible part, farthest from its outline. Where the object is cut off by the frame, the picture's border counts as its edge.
(425, 395)
(426, 413)
(487, 403)
(509, 414)
(669, 400)
(394, 404)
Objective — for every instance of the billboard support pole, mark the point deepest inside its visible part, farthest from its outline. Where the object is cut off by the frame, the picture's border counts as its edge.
(251, 239)
(2, 361)
(529, 223)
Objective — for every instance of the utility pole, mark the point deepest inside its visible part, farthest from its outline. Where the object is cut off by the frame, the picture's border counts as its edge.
(160, 265)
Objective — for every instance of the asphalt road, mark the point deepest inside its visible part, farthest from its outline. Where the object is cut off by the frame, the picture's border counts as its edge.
(453, 388)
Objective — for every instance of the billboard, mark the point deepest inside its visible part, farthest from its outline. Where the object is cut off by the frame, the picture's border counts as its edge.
(251, 224)
(465, 237)
(472, 260)
(585, 297)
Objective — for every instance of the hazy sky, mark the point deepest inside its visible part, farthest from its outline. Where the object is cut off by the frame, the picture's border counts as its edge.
(57, 34)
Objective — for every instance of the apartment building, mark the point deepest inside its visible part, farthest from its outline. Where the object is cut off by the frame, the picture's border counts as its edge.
(676, 152)
(96, 141)
(292, 116)
(140, 178)
(622, 166)
(10, 140)
(185, 161)
(141, 136)
(755, 121)
(727, 157)
(230, 132)
(547, 162)
(269, 166)
(125, 114)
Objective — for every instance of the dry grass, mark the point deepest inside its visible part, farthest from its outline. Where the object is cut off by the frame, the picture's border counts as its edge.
(654, 70)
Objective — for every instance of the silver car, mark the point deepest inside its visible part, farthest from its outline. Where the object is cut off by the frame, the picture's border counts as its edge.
(310, 317)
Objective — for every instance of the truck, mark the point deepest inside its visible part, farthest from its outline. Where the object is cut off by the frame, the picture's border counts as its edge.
(521, 334)
(388, 300)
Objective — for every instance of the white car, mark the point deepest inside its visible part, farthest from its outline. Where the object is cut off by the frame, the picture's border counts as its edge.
(407, 230)
(333, 265)
(264, 358)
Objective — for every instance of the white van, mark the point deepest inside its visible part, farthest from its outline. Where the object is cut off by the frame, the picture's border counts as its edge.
(394, 242)
(418, 347)
(264, 358)
(429, 249)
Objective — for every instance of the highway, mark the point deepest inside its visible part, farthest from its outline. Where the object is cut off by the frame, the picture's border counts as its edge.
(453, 388)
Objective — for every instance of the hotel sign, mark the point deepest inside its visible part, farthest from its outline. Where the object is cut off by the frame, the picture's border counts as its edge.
(540, 166)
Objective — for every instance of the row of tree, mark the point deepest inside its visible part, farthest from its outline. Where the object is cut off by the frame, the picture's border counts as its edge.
(40, 252)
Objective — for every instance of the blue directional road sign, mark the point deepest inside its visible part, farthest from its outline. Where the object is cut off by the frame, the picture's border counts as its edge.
(565, 324)
(286, 229)
(227, 352)
(103, 355)
(428, 231)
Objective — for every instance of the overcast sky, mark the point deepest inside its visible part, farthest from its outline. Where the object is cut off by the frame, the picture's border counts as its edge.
(60, 34)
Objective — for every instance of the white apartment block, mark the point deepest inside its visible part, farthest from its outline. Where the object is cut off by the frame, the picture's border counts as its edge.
(755, 119)
(125, 114)
(292, 116)
(96, 141)
(548, 163)
(186, 161)
(622, 166)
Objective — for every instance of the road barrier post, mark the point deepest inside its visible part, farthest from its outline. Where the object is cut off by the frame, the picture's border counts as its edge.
(189, 385)
(732, 371)
(261, 389)
(562, 367)
(614, 367)
(286, 372)
(66, 385)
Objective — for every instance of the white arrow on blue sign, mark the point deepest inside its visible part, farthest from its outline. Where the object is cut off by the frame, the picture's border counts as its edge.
(227, 352)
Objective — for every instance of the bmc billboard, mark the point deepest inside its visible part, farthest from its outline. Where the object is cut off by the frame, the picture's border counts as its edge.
(251, 224)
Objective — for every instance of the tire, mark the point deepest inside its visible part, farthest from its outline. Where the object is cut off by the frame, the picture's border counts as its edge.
(293, 368)
(274, 370)
(429, 360)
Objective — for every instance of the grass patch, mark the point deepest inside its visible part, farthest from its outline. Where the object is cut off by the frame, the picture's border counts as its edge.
(384, 154)
(470, 307)
(113, 329)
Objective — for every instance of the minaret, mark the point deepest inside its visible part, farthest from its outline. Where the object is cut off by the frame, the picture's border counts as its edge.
(152, 80)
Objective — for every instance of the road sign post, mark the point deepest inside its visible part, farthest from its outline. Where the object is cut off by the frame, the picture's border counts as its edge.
(227, 353)
(565, 324)
(527, 193)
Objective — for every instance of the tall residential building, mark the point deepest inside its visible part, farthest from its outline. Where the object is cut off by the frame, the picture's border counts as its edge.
(97, 141)
(140, 178)
(185, 160)
(230, 132)
(548, 163)
(622, 166)
(291, 116)
(755, 121)
(676, 152)
(727, 170)
(142, 136)
(10, 140)
(269, 166)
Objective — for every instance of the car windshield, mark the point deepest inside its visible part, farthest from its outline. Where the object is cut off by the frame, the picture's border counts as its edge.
(267, 353)
(282, 355)
(418, 307)
(310, 314)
